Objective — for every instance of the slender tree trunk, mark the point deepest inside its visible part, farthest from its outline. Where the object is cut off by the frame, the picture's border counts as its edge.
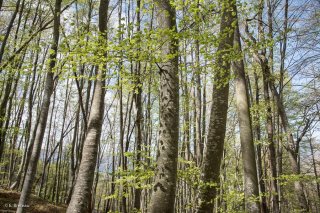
(60, 146)
(32, 167)
(163, 195)
(46, 158)
(251, 188)
(292, 146)
(283, 47)
(17, 124)
(264, 207)
(269, 125)
(139, 116)
(271, 147)
(72, 168)
(314, 168)
(198, 107)
(217, 127)
(28, 132)
(83, 185)
(5, 39)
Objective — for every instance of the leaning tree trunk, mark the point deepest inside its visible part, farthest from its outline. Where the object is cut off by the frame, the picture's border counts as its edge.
(217, 127)
(49, 84)
(251, 187)
(163, 196)
(81, 195)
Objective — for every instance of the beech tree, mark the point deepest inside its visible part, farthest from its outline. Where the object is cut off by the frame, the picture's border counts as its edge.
(251, 187)
(81, 195)
(159, 106)
(163, 191)
(218, 115)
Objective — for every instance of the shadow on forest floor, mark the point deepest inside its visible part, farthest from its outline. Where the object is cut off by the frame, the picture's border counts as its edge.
(9, 201)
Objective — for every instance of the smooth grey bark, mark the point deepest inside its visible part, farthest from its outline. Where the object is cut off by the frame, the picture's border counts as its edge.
(49, 84)
(163, 191)
(83, 108)
(81, 195)
(251, 187)
(264, 63)
(217, 127)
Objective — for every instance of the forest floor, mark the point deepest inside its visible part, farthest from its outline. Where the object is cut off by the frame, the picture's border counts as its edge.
(9, 201)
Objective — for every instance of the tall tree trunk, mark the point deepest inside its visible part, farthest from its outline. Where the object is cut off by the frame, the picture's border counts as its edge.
(198, 104)
(283, 48)
(251, 188)
(271, 147)
(269, 125)
(217, 127)
(72, 168)
(83, 185)
(139, 116)
(46, 158)
(292, 146)
(264, 207)
(49, 84)
(163, 195)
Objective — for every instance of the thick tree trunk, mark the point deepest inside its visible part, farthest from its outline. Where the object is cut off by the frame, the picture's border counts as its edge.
(163, 195)
(32, 167)
(82, 190)
(217, 127)
(251, 188)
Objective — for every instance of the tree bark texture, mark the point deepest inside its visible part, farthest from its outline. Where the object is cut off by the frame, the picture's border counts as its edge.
(81, 195)
(218, 117)
(163, 193)
(251, 188)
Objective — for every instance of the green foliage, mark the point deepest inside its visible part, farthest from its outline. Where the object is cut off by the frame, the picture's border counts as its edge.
(189, 172)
